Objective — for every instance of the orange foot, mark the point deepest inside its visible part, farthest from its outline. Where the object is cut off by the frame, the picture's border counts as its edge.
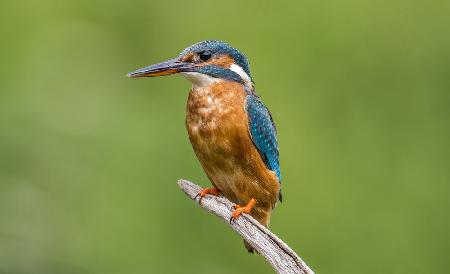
(213, 191)
(242, 209)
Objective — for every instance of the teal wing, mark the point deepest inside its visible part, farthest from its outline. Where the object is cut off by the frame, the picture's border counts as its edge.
(263, 133)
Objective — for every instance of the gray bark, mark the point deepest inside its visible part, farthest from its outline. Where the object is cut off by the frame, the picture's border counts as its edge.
(279, 255)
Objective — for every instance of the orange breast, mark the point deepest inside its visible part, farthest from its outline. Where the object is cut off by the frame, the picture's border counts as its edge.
(218, 130)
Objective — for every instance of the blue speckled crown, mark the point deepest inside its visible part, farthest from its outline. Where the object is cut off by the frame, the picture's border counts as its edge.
(220, 47)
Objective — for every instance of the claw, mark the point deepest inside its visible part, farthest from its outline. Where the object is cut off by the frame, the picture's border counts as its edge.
(242, 209)
(213, 191)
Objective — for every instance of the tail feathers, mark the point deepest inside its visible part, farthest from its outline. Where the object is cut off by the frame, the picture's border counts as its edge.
(250, 248)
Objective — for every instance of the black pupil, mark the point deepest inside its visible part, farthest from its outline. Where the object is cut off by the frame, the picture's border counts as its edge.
(205, 56)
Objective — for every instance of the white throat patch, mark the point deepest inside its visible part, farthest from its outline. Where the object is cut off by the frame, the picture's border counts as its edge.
(200, 80)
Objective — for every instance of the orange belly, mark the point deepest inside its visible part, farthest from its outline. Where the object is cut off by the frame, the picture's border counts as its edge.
(218, 130)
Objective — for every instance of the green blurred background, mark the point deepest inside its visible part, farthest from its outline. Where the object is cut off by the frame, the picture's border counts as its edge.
(89, 159)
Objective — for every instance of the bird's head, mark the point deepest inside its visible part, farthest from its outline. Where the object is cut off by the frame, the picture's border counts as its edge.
(204, 63)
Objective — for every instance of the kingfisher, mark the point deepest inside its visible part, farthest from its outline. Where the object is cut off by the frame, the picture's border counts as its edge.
(231, 130)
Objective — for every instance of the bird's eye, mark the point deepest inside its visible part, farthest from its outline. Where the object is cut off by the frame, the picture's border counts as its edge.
(205, 55)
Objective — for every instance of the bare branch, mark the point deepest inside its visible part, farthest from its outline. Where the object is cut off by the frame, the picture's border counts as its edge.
(282, 258)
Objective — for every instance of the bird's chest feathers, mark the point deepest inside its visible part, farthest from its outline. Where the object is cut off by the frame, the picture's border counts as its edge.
(215, 111)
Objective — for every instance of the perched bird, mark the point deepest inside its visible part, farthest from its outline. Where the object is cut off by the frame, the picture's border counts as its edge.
(229, 127)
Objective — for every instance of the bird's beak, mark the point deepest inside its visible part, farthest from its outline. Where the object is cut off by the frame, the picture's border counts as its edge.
(165, 68)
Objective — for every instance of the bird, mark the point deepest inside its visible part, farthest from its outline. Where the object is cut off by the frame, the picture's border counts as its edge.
(230, 129)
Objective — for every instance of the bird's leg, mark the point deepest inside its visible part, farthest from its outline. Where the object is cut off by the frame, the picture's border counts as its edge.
(242, 209)
(213, 191)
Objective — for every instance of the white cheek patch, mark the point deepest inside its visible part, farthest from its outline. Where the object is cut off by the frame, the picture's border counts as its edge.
(200, 80)
(242, 73)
